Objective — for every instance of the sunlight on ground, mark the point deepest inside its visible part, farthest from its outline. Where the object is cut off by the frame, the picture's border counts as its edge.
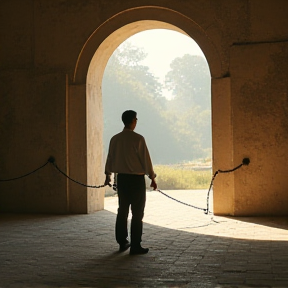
(164, 212)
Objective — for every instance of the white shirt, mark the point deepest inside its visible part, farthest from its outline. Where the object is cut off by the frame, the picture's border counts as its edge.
(128, 154)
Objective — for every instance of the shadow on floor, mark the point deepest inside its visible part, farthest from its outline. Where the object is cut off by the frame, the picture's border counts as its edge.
(80, 251)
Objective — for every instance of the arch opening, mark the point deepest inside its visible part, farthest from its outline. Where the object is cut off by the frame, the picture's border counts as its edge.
(175, 122)
(94, 94)
(87, 90)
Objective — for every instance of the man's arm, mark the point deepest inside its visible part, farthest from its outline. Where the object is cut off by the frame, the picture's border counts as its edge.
(147, 163)
(153, 184)
(108, 166)
(108, 180)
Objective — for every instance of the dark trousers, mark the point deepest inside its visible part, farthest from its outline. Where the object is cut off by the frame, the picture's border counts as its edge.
(131, 191)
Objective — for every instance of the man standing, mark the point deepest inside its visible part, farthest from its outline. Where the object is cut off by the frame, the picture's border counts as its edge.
(129, 157)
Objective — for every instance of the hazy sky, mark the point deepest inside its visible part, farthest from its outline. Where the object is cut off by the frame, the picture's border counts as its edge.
(163, 46)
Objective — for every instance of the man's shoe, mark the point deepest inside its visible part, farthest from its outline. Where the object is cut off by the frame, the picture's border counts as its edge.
(138, 251)
(124, 247)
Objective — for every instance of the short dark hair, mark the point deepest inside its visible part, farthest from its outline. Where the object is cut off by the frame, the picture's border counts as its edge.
(128, 117)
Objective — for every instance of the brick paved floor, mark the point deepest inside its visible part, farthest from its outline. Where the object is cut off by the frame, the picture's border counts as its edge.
(187, 249)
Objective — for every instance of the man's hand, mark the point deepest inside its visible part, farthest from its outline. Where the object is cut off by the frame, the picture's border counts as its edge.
(107, 180)
(153, 184)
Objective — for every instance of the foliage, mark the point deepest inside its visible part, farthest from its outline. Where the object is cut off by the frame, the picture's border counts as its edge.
(174, 178)
(189, 79)
(190, 82)
(176, 130)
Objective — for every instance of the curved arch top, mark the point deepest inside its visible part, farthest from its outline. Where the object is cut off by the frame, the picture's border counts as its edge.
(108, 36)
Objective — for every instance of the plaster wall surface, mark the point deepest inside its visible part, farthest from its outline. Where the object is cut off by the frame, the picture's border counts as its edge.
(46, 50)
(260, 130)
(222, 136)
(32, 128)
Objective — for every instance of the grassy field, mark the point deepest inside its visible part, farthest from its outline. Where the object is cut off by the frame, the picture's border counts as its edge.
(178, 177)
(173, 177)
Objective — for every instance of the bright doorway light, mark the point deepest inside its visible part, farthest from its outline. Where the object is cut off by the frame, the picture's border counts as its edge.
(177, 131)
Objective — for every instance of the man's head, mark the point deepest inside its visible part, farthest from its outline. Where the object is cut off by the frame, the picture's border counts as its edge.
(129, 119)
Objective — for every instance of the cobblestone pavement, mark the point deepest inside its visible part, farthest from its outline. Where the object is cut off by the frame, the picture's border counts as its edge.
(187, 249)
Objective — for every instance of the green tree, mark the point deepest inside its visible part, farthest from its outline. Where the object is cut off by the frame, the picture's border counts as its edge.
(190, 82)
(172, 135)
(129, 85)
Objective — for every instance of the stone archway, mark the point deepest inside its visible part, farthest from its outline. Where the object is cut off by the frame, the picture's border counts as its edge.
(85, 119)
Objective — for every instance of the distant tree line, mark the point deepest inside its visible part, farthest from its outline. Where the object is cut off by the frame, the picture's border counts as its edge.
(175, 130)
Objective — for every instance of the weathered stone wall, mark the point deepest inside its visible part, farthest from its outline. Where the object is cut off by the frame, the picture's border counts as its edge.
(46, 49)
(259, 88)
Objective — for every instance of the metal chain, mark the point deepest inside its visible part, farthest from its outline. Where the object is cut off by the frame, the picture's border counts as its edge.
(181, 201)
(51, 160)
(25, 175)
(75, 181)
(245, 161)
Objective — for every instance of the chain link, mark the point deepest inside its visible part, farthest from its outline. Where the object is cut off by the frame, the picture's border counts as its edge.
(75, 181)
(51, 160)
(180, 201)
(246, 161)
(25, 175)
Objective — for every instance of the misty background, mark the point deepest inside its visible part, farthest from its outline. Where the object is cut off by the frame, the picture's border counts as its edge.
(174, 113)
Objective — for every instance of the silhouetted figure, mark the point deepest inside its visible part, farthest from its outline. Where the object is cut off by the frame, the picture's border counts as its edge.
(128, 156)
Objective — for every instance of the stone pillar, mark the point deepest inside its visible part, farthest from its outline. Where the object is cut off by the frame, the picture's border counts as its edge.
(85, 129)
(95, 169)
(260, 127)
(77, 148)
(222, 144)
